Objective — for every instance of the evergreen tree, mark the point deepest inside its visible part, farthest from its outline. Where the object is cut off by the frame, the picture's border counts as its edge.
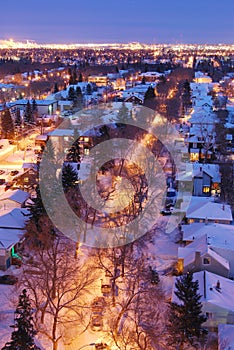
(71, 94)
(149, 99)
(186, 318)
(149, 93)
(89, 89)
(123, 115)
(73, 154)
(56, 89)
(34, 110)
(74, 77)
(79, 97)
(28, 113)
(186, 96)
(143, 80)
(18, 118)
(36, 208)
(80, 80)
(8, 131)
(22, 338)
(69, 177)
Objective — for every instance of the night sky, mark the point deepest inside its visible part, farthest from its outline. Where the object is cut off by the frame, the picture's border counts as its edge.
(149, 21)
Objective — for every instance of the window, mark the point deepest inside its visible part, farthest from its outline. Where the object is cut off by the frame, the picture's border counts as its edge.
(86, 139)
(209, 315)
(86, 151)
(206, 261)
(206, 189)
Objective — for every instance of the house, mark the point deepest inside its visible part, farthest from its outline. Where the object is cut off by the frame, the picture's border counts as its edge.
(29, 177)
(43, 106)
(226, 337)
(208, 211)
(99, 80)
(9, 240)
(13, 199)
(199, 256)
(217, 297)
(220, 239)
(11, 230)
(202, 78)
(203, 179)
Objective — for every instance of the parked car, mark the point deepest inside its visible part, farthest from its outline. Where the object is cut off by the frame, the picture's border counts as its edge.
(2, 172)
(167, 211)
(8, 185)
(14, 172)
(96, 323)
(98, 305)
(2, 181)
(8, 279)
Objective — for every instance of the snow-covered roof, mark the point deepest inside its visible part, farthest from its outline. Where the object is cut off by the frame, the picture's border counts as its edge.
(61, 132)
(210, 211)
(9, 237)
(38, 102)
(210, 169)
(223, 298)
(17, 196)
(208, 281)
(218, 235)
(202, 246)
(15, 219)
(33, 166)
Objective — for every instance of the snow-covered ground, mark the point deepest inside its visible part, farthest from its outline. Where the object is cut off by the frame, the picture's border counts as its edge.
(160, 253)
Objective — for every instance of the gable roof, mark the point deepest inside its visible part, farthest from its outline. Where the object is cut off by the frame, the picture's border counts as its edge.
(209, 294)
(210, 211)
(9, 237)
(202, 246)
(218, 235)
(17, 196)
(15, 219)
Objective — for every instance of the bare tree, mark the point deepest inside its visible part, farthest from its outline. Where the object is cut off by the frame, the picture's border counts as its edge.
(138, 317)
(58, 285)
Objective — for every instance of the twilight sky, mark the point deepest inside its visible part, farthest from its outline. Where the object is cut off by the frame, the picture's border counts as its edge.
(149, 21)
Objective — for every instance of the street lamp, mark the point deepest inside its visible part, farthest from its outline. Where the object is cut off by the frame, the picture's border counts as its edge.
(84, 346)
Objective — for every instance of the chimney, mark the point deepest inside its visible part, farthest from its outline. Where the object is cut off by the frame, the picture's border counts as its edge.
(223, 207)
(218, 287)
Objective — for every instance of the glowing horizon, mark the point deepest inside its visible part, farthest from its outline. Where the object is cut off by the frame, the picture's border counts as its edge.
(31, 44)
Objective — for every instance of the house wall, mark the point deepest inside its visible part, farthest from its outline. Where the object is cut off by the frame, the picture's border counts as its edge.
(214, 266)
(227, 254)
(217, 315)
(5, 259)
(197, 186)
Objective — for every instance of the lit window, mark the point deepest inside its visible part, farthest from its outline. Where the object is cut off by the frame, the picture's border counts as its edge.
(86, 139)
(194, 157)
(206, 189)
(86, 151)
(26, 179)
(206, 261)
